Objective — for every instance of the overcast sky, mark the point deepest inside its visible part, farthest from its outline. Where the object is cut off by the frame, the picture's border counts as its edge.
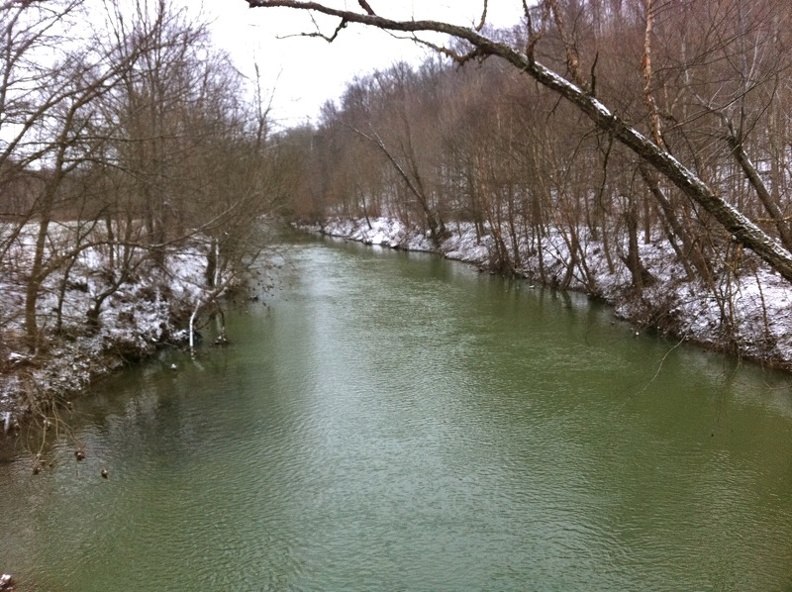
(303, 72)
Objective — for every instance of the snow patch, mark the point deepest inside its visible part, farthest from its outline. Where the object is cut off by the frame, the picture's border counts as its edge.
(750, 313)
(136, 320)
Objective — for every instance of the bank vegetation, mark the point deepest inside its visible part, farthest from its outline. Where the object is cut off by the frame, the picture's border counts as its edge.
(576, 144)
(135, 165)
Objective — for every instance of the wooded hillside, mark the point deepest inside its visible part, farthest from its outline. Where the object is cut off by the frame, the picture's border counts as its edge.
(620, 121)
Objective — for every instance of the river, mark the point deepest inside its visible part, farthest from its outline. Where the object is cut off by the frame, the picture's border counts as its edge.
(394, 421)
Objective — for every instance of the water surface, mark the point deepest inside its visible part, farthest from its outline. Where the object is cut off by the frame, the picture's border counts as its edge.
(396, 421)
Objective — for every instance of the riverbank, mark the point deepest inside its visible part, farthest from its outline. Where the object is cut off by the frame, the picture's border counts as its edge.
(747, 313)
(147, 311)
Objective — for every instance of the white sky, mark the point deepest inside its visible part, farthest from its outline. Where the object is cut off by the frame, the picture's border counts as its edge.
(304, 72)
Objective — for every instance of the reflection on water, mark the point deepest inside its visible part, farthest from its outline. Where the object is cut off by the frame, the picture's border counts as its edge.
(398, 422)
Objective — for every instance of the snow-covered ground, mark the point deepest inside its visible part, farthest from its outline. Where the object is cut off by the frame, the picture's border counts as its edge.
(756, 304)
(145, 313)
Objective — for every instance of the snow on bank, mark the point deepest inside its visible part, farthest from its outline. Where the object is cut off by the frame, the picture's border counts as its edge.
(750, 314)
(145, 313)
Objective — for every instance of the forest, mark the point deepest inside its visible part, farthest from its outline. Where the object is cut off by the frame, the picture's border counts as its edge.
(136, 163)
(607, 125)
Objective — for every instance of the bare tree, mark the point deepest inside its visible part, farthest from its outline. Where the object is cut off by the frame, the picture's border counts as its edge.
(133, 140)
(580, 91)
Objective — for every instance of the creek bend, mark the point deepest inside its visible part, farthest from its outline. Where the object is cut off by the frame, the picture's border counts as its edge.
(397, 421)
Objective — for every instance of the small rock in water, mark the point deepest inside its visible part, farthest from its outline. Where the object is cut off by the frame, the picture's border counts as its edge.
(7, 583)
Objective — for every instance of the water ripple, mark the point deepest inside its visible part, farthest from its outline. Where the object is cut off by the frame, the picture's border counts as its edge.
(390, 424)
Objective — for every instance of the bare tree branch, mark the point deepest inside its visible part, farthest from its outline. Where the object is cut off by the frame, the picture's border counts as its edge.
(483, 20)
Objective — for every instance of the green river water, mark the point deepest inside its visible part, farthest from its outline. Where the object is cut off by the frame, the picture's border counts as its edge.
(396, 421)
